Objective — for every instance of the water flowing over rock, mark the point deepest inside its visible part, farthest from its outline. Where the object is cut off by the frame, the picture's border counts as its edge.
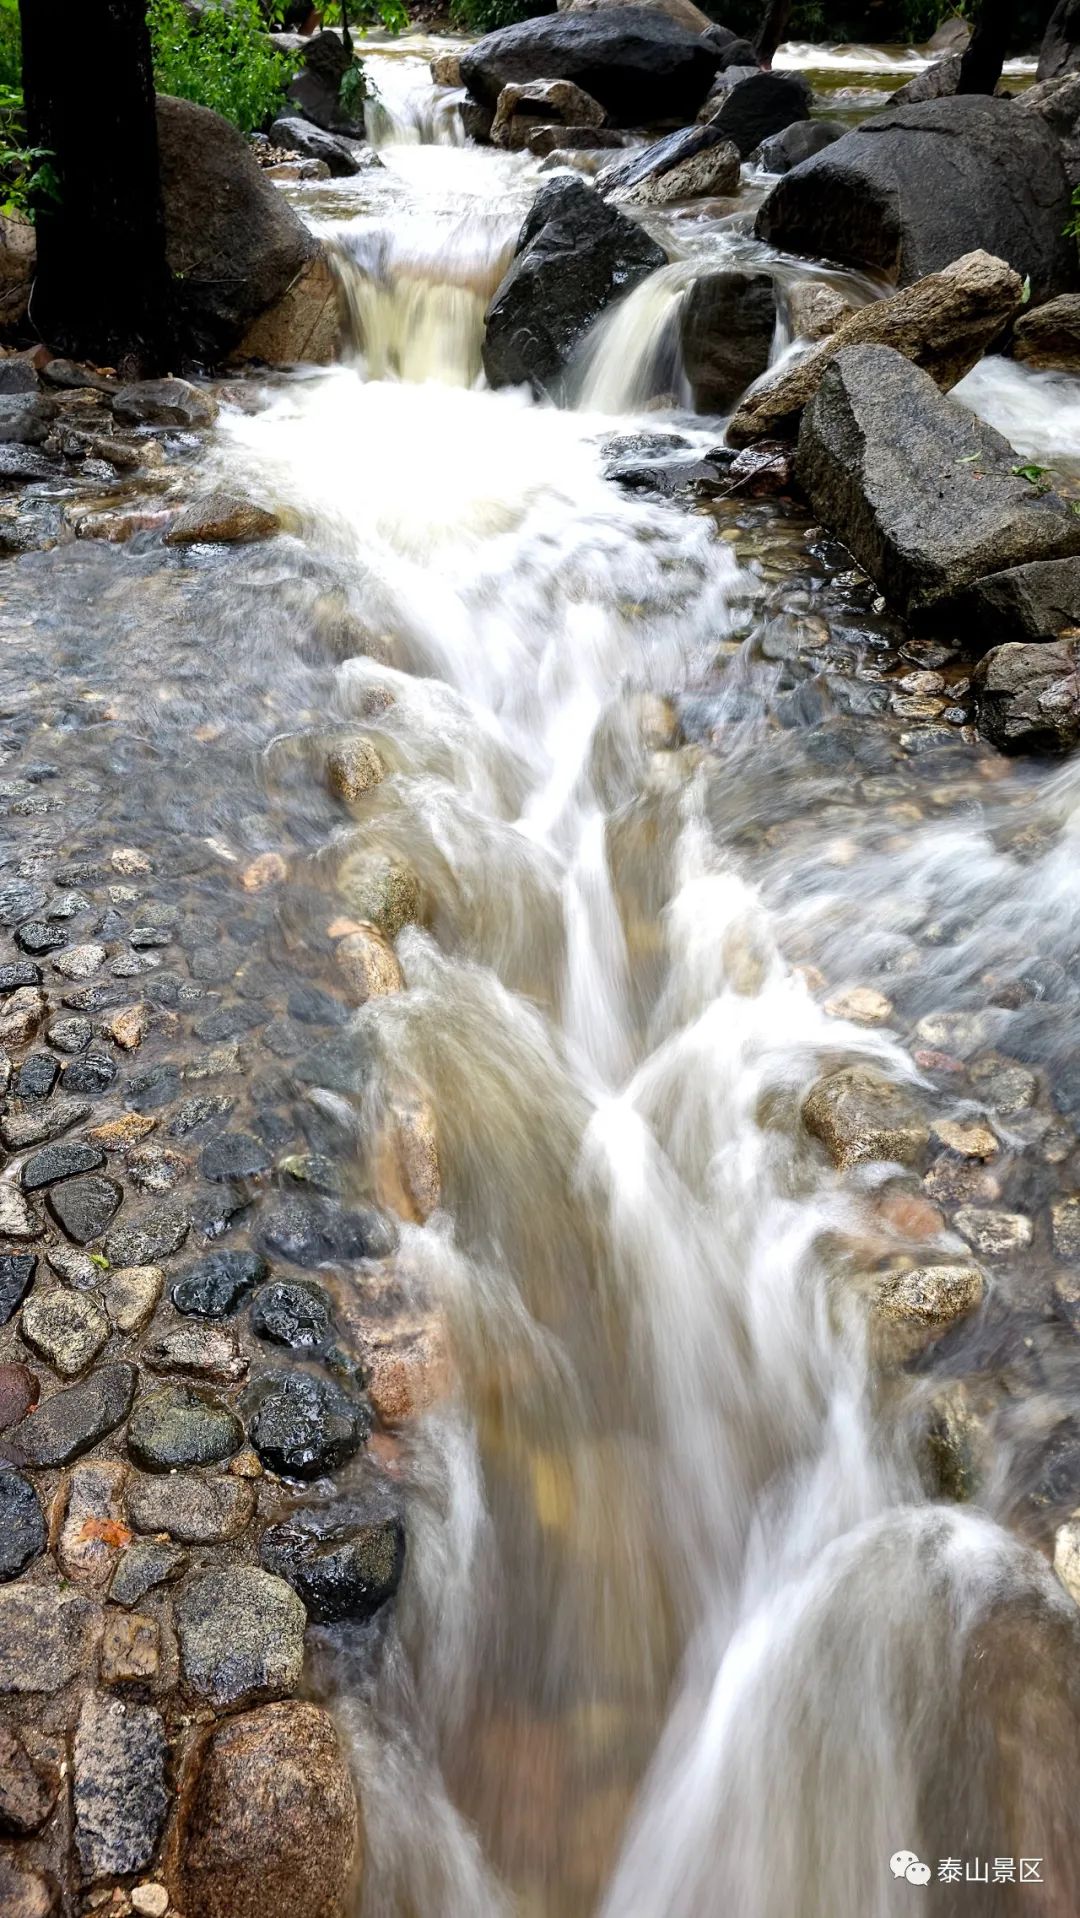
(886, 462)
(914, 189)
(726, 329)
(575, 255)
(640, 65)
(943, 323)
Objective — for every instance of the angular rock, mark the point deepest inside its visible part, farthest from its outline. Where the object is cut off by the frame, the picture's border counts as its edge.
(1060, 50)
(219, 208)
(1033, 602)
(66, 1329)
(85, 1208)
(27, 1791)
(93, 1532)
(71, 1421)
(683, 166)
(521, 107)
(215, 1286)
(798, 142)
(304, 326)
(758, 107)
(316, 89)
(60, 1162)
(241, 1636)
(145, 1564)
(1027, 697)
(46, 1637)
(148, 1240)
(342, 1566)
(164, 403)
(222, 519)
(302, 136)
(944, 323)
(926, 497)
(311, 1231)
(92, 1074)
(22, 1524)
(120, 1792)
(640, 66)
(36, 1077)
(234, 1155)
(304, 1427)
(18, 1220)
(21, 1013)
(131, 1294)
(196, 1511)
(574, 256)
(1049, 335)
(19, 1390)
(198, 1351)
(726, 326)
(130, 1650)
(917, 187)
(295, 1313)
(20, 1129)
(937, 82)
(178, 1426)
(80, 962)
(271, 1825)
(16, 1277)
(860, 1115)
(928, 1298)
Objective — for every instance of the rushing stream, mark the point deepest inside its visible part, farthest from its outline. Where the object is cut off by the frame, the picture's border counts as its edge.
(682, 1631)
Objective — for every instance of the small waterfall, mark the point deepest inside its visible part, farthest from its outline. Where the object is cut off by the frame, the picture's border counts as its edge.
(633, 356)
(404, 108)
(416, 309)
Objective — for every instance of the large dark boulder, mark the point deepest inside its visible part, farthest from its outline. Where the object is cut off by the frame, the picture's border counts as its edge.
(1060, 50)
(798, 142)
(316, 90)
(234, 244)
(1027, 698)
(575, 255)
(640, 65)
(924, 494)
(302, 136)
(1038, 601)
(916, 188)
(726, 328)
(757, 108)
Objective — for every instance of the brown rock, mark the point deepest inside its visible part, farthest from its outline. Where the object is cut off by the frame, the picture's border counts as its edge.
(814, 310)
(26, 1894)
(1049, 335)
(369, 964)
(860, 1115)
(304, 325)
(130, 1027)
(269, 869)
(271, 1825)
(522, 104)
(130, 1649)
(943, 322)
(353, 768)
(223, 519)
(18, 260)
(21, 1014)
(94, 1531)
(19, 1390)
(118, 1135)
(27, 1792)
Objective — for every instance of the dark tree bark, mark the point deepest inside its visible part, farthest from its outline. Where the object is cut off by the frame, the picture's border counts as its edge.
(772, 29)
(102, 290)
(981, 64)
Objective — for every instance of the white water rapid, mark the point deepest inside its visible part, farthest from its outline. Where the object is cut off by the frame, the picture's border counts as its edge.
(682, 1632)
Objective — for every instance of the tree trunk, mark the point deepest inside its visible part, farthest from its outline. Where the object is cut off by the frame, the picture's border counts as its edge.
(772, 29)
(980, 66)
(103, 290)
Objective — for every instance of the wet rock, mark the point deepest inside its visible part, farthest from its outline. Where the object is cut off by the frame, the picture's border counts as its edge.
(71, 1421)
(521, 106)
(761, 105)
(224, 519)
(128, 1028)
(302, 1426)
(863, 1006)
(22, 1524)
(17, 1218)
(215, 1286)
(93, 1532)
(368, 964)
(130, 1650)
(16, 1277)
(21, 1013)
(916, 187)
(145, 1564)
(944, 323)
(1067, 1556)
(148, 1240)
(1049, 335)
(199, 1351)
(798, 142)
(19, 1391)
(927, 1299)
(353, 768)
(80, 962)
(1065, 1227)
(21, 1129)
(84, 1208)
(1004, 1084)
(574, 256)
(131, 1294)
(20, 899)
(1060, 49)
(316, 89)
(294, 135)
(25, 1893)
(36, 1076)
(153, 1168)
(294, 1313)
(150, 1900)
(860, 1115)
(120, 1791)
(271, 1825)
(21, 973)
(38, 938)
(726, 326)
(27, 1791)
(341, 1566)
(994, 1234)
(309, 1230)
(45, 1637)
(305, 325)
(60, 1162)
(164, 403)
(886, 462)
(241, 1636)
(682, 166)
(178, 1426)
(218, 207)
(234, 1155)
(196, 1511)
(195, 1112)
(639, 65)
(66, 1329)
(92, 1074)
(972, 1139)
(1027, 697)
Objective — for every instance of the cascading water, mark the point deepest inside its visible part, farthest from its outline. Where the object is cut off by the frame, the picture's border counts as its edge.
(680, 1632)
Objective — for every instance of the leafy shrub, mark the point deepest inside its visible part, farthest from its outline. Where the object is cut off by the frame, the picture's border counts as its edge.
(389, 14)
(222, 59)
(483, 16)
(10, 45)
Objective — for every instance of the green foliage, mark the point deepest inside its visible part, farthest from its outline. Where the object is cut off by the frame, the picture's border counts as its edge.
(10, 45)
(483, 16)
(26, 173)
(1073, 227)
(391, 15)
(1039, 477)
(223, 60)
(353, 91)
